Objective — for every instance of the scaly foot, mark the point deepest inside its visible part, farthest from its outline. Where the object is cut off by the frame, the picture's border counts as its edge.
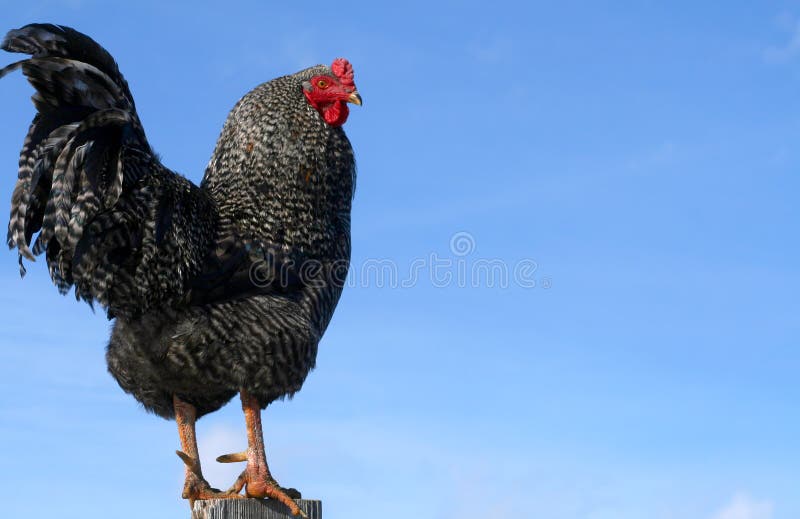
(259, 483)
(196, 487)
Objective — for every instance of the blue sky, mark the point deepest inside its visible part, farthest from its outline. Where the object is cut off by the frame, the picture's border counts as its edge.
(643, 155)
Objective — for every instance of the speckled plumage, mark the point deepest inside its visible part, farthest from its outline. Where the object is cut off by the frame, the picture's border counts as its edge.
(215, 288)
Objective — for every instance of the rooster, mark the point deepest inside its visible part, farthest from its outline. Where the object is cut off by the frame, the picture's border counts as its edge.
(215, 290)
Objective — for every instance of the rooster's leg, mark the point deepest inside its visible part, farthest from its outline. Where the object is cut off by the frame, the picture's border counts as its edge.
(256, 478)
(196, 487)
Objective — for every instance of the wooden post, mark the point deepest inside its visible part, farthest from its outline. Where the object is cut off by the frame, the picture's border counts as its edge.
(253, 509)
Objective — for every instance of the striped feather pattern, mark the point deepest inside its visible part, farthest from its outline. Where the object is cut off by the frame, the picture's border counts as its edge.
(90, 186)
(174, 262)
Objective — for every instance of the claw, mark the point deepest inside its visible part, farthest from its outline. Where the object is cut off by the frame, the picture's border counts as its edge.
(293, 493)
(264, 486)
(233, 458)
(238, 485)
(190, 462)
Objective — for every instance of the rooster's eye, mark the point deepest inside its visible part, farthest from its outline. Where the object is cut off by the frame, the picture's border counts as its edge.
(322, 83)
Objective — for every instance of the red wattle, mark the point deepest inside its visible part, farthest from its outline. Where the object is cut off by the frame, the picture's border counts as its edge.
(335, 113)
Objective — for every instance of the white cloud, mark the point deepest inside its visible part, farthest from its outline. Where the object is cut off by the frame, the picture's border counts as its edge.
(742, 506)
(220, 439)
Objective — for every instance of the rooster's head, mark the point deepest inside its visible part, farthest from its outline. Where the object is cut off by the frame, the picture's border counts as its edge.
(330, 93)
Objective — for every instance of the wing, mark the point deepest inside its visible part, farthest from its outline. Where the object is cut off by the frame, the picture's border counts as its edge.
(113, 222)
(241, 267)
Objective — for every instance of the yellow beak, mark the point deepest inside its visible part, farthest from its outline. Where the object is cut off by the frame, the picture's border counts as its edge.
(354, 98)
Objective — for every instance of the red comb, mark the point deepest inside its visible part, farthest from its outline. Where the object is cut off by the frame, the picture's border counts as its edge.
(344, 71)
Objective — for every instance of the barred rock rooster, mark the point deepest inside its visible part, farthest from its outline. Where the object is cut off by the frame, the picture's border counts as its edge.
(216, 289)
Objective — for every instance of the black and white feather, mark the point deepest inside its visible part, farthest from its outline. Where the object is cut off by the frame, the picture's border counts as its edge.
(112, 221)
(173, 261)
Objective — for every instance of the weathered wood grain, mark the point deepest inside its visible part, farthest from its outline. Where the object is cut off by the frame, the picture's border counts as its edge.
(253, 509)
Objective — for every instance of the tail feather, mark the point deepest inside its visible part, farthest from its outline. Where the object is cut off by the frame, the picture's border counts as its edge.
(60, 81)
(90, 185)
(35, 169)
(47, 40)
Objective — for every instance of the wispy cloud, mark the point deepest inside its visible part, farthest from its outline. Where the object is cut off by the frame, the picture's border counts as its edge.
(790, 49)
(493, 50)
(220, 439)
(742, 506)
(662, 154)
